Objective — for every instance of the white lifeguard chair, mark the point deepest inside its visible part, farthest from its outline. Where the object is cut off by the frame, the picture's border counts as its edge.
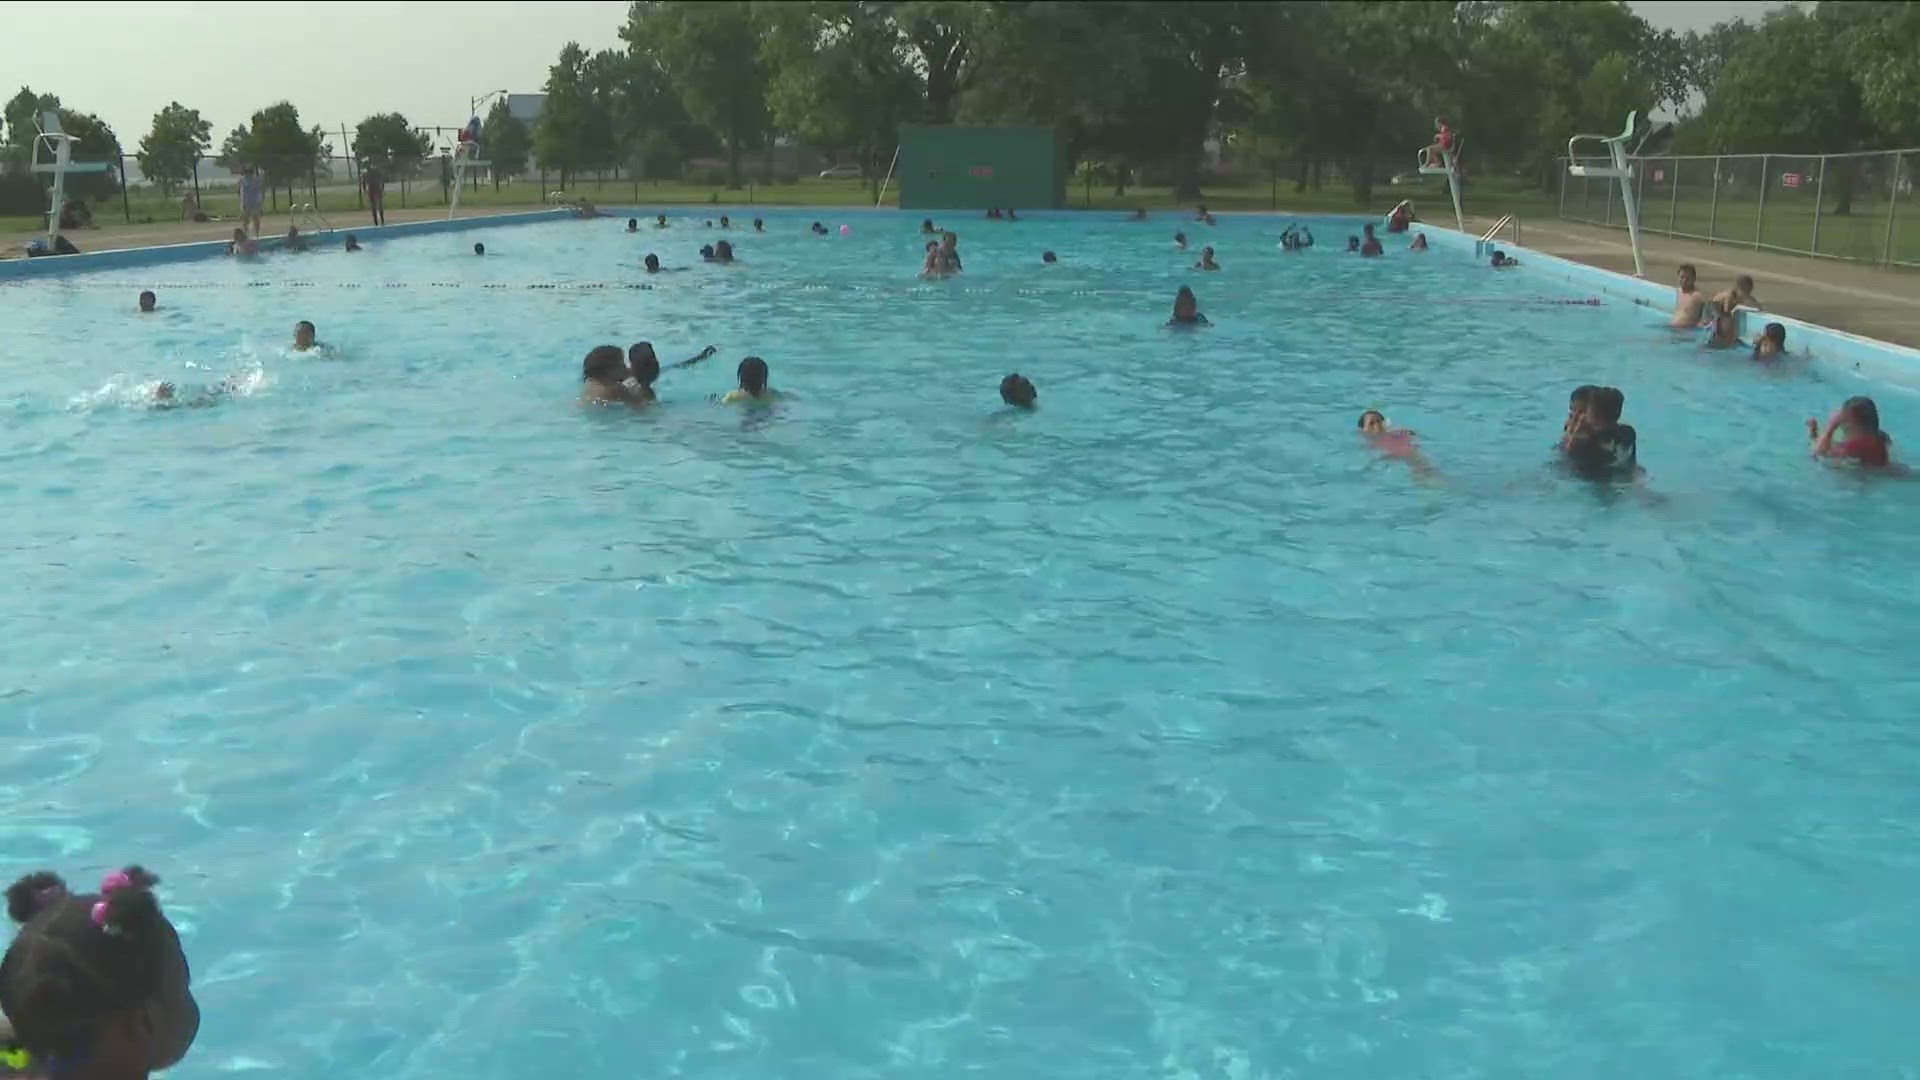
(465, 158)
(1619, 168)
(60, 145)
(1450, 169)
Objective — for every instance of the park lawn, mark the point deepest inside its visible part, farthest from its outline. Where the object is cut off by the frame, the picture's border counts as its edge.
(341, 205)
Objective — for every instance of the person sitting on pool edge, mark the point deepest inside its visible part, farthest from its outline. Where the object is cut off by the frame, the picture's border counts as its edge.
(1186, 309)
(643, 366)
(753, 388)
(1206, 260)
(1689, 302)
(603, 378)
(1601, 447)
(303, 337)
(1864, 444)
(148, 301)
(1400, 216)
(1772, 342)
(95, 986)
(1017, 391)
(1370, 246)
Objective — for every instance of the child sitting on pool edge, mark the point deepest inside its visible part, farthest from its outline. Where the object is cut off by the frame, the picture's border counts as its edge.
(95, 986)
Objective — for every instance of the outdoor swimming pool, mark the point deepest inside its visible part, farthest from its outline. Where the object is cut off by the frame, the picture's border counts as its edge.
(1165, 732)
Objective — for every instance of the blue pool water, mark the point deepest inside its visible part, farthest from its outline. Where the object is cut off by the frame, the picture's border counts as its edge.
(1162, 733)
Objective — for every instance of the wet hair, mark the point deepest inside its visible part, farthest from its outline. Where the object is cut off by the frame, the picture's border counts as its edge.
(604, 364)
(303, 325)
(652, 261)
(479, 249)
(753, 374)
(723, 250)
(1353, 241)
(1180, 238)
(1371, 412)
(146, 295)
(1776, 333)
(1017, 389)
(706, 251)
(82, 960)
(1744, 283)
(1367, 228)
(1048, 256)
(1581, 395)
(1863, 411)
(1687, 268)
(1185, 293)
(926, 224)
(758, 224)
(1606, 404)
(633, 223)
(645, 365)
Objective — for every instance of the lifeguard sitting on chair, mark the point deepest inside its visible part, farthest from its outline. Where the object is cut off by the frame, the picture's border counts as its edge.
(470, 139)
(1442, 143)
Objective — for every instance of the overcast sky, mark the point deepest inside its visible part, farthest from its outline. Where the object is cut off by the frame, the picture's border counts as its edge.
(343, 60)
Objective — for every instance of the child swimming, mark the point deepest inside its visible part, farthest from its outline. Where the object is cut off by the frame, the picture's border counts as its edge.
(1853, 435)
(753, 388)
(1186, 310)
(1393, 442)
(303, 337)
(603, 378)
(1017, 391)
(95, 986)
(148, 301)
(1772, 342)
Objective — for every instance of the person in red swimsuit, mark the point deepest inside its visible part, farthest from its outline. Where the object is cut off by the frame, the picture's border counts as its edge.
(1442, 142)
(1852, 434)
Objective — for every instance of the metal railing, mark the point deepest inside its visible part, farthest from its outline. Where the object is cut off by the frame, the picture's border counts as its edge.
(1858, 207)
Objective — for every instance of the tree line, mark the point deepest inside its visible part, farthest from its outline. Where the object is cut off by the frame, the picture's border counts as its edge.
(1144, 87)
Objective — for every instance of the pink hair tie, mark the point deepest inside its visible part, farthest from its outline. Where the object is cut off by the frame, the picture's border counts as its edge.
(116, 880)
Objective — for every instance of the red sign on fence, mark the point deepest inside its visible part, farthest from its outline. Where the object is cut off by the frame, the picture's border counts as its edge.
(1789, 179)
(1659, 175)
(983, 172)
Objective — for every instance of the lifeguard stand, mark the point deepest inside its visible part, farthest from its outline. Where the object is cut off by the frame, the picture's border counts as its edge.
(1620, 168)
(1448, 168)
(462, 162)
(60, 144)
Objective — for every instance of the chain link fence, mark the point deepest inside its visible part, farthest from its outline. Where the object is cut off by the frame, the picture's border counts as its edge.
(1841, 206)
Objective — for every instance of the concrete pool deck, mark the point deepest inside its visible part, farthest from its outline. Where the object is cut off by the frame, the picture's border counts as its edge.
(1869, 301)
(163, 233)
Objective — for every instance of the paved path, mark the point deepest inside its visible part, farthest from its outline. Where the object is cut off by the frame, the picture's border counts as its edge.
(115, 237)
(1865, 300)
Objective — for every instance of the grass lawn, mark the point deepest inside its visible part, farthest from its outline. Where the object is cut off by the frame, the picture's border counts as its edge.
(342, 206)
(1786, 222)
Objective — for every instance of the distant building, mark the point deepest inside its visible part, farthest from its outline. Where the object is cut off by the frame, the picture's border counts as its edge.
(526, 108)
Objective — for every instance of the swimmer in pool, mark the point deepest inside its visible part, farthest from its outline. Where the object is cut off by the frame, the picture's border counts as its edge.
(1370, 247)
(353, 243)
(819, 229)
(1049, 258)
(659, 221)
(1726, 333)
(723, 252)
(1353, 245)
(1419, 242)
(1689, 303)
(479, 249)
(1393, 442)
(1017, 391)
(644, 366)
(293, 241)
(1206, 260)
(633, 224)
(303, 337)
(1852, 436)
(1576, 414)
(148, 301)
(930, 265)
(725, 222)
(603, 378)
(1186, 310)
(1772, 342)
(242, 246)
(759, 226)
(1735, 298)
(706, 252)
(1600, 446)
(1180, 240)
(926, 227)
(1500, 260)
(753, 388)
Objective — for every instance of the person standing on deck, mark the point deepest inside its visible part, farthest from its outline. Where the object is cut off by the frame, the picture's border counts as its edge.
(376, 186)
(252, 199)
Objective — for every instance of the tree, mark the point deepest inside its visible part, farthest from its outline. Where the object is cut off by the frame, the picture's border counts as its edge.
(710, 53)
(389, 143)
(507, 140)
(23, 114)
(234, 149)
(169, 152)
(840, 77)
(283, 150)
(573, 126)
